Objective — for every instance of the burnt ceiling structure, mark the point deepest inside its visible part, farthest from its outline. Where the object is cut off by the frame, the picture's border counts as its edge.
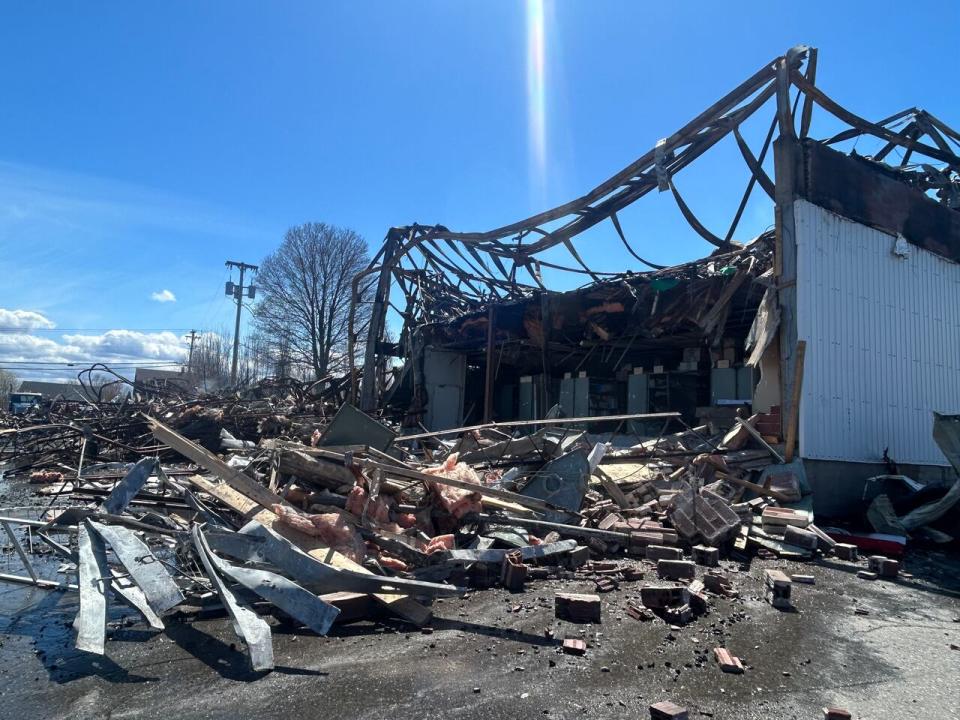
(444, 281)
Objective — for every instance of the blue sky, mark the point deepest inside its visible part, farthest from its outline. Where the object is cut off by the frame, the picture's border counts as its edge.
(140, 147)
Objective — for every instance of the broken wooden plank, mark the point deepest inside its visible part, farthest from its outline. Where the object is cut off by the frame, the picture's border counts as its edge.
(206, 459)
(793, 422)
(759, 438)
(545, 421)
(613, 490)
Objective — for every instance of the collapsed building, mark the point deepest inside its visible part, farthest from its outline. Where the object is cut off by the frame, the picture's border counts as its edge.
(841, 324)
(283, 505)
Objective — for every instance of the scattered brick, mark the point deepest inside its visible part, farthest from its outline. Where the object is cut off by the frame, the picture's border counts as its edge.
(574, 646)
(633, 574)
(678, 614)
(605, 584)
(867, 575)
(638, 612)
(805, 579)
(667, 710)
(836, 714)
(728, 663)
(718, 583)
(513, 573)
(698, 601)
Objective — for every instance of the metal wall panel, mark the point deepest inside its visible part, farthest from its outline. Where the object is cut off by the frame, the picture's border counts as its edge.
(883, 342)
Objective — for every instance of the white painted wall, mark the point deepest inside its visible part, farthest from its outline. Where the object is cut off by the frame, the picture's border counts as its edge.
(883, 342)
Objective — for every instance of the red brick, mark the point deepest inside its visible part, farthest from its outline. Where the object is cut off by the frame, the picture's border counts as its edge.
(574, 646)
(728, 663)
(667, 710)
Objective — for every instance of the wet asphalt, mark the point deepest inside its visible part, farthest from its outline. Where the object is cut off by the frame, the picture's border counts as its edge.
(495, 654)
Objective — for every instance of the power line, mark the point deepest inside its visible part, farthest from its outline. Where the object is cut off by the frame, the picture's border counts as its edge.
(76, 330)
(237, 292)
(144, 363)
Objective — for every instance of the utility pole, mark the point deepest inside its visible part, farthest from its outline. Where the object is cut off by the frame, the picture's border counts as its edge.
(237, 292)
(193, 338)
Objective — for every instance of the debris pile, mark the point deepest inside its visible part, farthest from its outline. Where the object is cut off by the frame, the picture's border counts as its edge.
(259, 506)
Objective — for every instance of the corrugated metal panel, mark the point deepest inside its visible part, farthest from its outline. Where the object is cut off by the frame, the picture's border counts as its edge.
(883, 342)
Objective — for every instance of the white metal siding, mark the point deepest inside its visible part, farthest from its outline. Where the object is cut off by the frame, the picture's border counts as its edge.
(883, 342)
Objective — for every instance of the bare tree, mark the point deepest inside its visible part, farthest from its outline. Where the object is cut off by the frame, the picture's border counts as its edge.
(211, 360)
(305, 291)
(8, 384)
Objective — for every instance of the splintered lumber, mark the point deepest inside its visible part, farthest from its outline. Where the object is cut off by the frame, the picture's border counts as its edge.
(319, 470)
(205, 459)
(794, 421)
(484, 490)
(613, 490)
(401, 605)
(329, 468)
(545, 421)
(758, 489)
(759, 438)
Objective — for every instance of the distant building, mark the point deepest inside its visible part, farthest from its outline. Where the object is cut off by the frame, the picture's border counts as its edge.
(165, 379)
(54, 390)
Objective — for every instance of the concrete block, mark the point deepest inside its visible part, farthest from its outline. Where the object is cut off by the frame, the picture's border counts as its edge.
(883, 566)
(678, 614)
(578, 557)
(800, 538)
(778, 588)
(705, 555)
(664, 596)
(661, 552)
(774, 516)
(577, 607)
(676, 569)
(846, 551)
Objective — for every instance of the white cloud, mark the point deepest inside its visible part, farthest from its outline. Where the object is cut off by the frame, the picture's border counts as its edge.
(24, 320)
(130, 345)
(80, 349)
(163, 296)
